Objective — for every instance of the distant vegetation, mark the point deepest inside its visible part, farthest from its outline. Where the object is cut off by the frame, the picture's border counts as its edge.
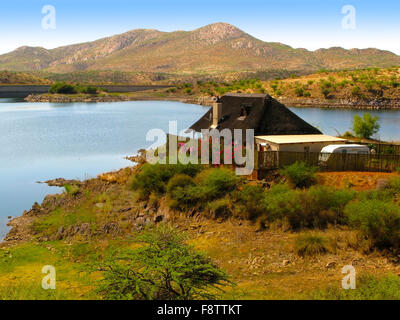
(10, 77)
(65, 88)
(365, 84)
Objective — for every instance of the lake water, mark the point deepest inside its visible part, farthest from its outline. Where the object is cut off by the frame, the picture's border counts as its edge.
(334, 121)
(42, 141)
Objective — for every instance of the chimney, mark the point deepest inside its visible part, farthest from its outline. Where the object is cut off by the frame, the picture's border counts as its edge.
(217, 113)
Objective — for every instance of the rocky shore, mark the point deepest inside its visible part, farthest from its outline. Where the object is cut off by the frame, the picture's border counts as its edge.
(376, 104)
(63, 98)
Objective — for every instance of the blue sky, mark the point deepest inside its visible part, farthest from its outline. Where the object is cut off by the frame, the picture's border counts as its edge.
(307, 24)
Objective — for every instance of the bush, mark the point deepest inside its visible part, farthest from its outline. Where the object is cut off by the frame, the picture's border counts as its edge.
(88, 90)
(72, 190)
(180, 190)
(377, 220)
(300, 174)
(154, 178)
(316, 208)
(208, 185)
(311, 245)
(220, 208)
(299, 91)
(366, 126)
(325, 205)
(62, 88)
(163, 268)
(394, 185)
(282, 203)
(217, 182)
(250, 201)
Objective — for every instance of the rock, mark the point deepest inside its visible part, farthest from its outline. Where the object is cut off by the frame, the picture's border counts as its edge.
(60, 233)
(60, 182)
(285, 263)
(140, 220)
(382, 184)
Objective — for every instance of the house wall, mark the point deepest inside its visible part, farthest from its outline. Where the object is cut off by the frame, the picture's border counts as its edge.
(298, 147)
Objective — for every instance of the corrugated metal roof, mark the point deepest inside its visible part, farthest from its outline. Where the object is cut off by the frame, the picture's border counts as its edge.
(303, 138)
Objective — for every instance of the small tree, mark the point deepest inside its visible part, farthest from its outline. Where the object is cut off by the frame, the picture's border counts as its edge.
(162, 268)
(366, 126)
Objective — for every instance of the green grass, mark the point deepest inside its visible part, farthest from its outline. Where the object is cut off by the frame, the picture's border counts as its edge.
(309, 245)
(368, 287)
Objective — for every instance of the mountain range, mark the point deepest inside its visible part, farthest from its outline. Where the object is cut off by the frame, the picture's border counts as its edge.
(212, 49)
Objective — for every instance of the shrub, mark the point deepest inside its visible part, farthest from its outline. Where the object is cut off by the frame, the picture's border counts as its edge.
(88, 90)
(356, 91)
(282, 203)
(208, 185)
(62, 88)
(180, 190)
(163, 268)
(299, 91)
(300, 174)
(216, 182)
(316, 208)
(325, 205)
(154, 178)
(348, 135)
(377, 220)
(251, 201)
(220, 208)
(311, 245)
(366, 126)
(394, 184)
(72, 190)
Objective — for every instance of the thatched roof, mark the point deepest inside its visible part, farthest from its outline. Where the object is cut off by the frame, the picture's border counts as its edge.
(263, 113)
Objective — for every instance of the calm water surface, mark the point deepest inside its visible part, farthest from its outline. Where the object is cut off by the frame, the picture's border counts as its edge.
(334, 121)
(41, 141)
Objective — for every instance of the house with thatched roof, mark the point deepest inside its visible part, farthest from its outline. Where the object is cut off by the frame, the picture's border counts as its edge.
(276, 128)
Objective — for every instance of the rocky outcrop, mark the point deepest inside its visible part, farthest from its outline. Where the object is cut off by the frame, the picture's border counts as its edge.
(64, 98)
(375, 104)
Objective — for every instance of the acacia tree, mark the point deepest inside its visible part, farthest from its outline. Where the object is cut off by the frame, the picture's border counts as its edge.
(164, 267)
(366, 126)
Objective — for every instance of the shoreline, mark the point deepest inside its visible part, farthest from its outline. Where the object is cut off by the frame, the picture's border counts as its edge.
(59, 98)
(197, 100)
(384, 104)
(376, 104)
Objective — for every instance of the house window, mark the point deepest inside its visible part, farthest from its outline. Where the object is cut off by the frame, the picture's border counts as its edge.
(244, 111)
